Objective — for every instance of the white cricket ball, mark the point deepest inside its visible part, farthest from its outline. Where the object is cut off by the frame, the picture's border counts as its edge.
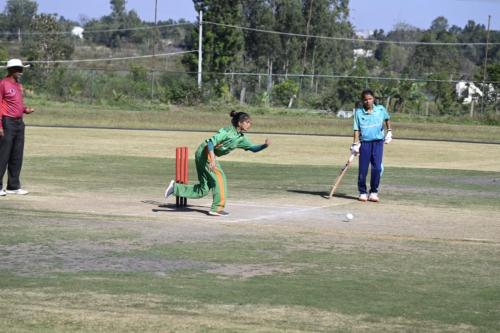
(349, 216)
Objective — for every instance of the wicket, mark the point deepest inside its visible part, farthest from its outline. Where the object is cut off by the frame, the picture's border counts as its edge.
(181, 172)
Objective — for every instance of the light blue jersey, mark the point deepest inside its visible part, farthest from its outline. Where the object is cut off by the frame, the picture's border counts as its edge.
(370, 125)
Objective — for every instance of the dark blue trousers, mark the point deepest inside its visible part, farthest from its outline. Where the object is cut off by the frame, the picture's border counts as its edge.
(11, 151)
(370, 153)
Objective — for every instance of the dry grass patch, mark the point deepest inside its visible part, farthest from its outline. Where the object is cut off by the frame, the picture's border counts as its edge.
(48, 311)
(286, 149)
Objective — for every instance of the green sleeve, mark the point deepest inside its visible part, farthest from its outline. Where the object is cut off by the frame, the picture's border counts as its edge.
(245, 143)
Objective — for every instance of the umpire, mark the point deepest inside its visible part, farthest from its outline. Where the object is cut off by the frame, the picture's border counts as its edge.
(12, 110)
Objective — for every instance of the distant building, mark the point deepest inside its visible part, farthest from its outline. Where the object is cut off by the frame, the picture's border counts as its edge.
(344, 114)
(364, 33)
(468, 91)
(78, 32)
(362, 53)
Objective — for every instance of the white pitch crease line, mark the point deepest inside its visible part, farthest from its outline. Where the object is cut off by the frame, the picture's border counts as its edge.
(251, 204)
(264, 217)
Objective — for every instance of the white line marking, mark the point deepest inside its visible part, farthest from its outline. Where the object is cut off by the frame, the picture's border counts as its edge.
(269, 216)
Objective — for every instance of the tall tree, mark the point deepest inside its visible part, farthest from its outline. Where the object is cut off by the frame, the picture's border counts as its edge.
(429, 59)
(288, 14)
(260, 47)
(330, 18)
(222, 45)
(118, 8)
(117, 24)
(47, 45)
(19, 15)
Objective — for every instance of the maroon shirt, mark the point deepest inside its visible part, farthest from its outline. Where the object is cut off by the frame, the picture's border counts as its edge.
(11, 99)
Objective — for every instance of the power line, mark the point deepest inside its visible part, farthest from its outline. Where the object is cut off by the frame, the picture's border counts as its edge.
(94, 31)
(339, 76)
(346, 38)
(108, 59)
(346, 77)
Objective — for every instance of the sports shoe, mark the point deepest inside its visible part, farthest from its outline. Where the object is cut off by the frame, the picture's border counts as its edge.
(373, 197)
(221, 213)
(363, 197)
(170, 189)
(18, 192)
(2, 193)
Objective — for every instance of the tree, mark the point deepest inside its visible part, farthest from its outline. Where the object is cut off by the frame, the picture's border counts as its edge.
(118, 8)
(429, 58)
(117, 24)
(493, 74)
(288, 14)
(443, 92)
(46, 45)
(439, 24)
(222, 46)
(19, 14)
(259, 47)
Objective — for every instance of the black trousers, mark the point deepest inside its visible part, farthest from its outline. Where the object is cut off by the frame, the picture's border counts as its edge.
(11, 152)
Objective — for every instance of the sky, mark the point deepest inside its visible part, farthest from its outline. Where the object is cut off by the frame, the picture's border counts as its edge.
(365, 14)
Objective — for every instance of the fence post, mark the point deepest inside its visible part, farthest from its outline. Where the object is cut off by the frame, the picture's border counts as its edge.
(200, 49)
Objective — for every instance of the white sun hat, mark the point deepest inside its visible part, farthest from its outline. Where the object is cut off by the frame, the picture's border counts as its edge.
(16, 63)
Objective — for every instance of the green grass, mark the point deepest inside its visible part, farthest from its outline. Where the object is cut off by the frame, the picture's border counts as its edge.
(212, 117)
(451, 285)
(31, 228)
(101, 174)
(88, 272)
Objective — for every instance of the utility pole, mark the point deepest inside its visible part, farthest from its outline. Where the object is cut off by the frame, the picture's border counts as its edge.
(154, 53)
(485, 89)
(200, 48)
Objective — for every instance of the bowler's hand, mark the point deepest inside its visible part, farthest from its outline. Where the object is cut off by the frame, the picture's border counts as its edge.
(212, 165)
(29, 110)
(1, 133)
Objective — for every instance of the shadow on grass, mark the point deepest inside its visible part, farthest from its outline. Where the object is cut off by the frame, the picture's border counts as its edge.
(324, 194)
(171, 207)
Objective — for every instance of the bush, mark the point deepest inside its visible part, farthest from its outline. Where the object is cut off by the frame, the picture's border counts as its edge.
(179, 90)
(284, 91)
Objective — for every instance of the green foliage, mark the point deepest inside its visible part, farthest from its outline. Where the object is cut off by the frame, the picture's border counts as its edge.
(284, 91)
(19, 14)
(115, 27)
(46, 44)
(493, 74)
(138, 73)
(4, 55)
(179, 90)
(270, 58)
(443, 93)
(222, 46)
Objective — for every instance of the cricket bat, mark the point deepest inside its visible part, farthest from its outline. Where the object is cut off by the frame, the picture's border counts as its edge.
(341, 174)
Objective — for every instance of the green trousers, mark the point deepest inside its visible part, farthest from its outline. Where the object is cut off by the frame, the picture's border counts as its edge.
(209, 180)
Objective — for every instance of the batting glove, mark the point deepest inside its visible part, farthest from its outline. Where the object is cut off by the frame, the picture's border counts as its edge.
(355, 148)
(388, 137)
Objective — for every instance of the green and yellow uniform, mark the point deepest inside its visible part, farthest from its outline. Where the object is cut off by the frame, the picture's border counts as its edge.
(224, 141)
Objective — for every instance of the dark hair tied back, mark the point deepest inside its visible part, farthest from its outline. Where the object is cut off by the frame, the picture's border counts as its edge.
(367, 92)
(238, 117)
